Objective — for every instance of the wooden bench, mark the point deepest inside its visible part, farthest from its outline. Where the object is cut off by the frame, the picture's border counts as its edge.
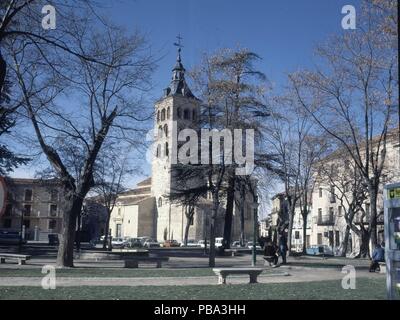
(222, 273)
(133, 262)
(19, 257)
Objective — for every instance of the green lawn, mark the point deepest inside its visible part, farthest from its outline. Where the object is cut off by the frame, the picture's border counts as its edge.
(367, 288)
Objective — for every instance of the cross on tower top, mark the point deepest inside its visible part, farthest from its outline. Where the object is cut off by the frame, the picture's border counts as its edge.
(179, 42)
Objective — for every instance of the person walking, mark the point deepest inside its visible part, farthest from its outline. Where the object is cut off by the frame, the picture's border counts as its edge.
(270, 253)
(283, 247)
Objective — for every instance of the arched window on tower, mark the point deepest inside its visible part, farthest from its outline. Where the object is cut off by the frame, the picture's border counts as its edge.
(166, 130)
(163, 115)
(158, 151)
(166, 149)
(160, 202)
(160, 132)
(168, 112)
(194, 115)
(186, 114)
(158, 116)
(179, 113)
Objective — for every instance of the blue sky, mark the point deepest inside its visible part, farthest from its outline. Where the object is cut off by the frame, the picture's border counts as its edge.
(283, 32)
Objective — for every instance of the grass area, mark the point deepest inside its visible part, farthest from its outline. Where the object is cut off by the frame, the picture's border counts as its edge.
(110, 272)
(366, 288)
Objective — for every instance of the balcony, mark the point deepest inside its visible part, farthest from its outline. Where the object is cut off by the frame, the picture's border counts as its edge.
(325, 221)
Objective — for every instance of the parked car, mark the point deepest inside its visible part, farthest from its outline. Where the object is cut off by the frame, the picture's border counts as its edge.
(117, 242)
(152, 244)
(191, 243)
(201, 243)
(235, 244)
(250, 245)
(319, 250)
(144, 239)
(171, 243)
(133, 243)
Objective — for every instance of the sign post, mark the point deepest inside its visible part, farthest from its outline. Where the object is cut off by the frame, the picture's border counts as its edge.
(392, 240)
(3, 196)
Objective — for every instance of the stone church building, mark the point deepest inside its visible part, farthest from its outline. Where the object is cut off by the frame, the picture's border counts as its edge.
(145, 210)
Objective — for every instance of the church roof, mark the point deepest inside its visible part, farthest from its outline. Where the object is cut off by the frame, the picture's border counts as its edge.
(178, 85)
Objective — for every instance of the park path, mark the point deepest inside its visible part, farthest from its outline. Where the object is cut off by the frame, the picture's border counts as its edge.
(290, 276)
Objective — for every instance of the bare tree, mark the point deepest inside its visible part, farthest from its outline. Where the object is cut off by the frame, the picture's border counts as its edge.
(111, 170)
(108, 96)
(352, 192)
(352, 97)
(293, 138)
(22, 20)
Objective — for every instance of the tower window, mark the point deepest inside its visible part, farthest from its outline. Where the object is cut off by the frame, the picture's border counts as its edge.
(163, 115)
(160, 202)
(168, 112)
(158, 116)
(194, 115)
(166, 130)
(160, 131)
(179, 113)
(166, 149)
(186, 114)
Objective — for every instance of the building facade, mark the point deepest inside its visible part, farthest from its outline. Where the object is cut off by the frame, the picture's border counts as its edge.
(146, 210)
(34, 204)
(326, 223)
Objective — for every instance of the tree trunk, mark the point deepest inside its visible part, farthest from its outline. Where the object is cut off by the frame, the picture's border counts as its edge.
(290, 228)
(229, 213)
(372, 217)
(186, 235)
(65, 256)
(214, 213)
(304, 215)
(105, 241)
(345, 242)
(242, 239)
(364, 247)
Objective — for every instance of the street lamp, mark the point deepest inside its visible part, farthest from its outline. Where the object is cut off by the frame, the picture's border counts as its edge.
(255, 225)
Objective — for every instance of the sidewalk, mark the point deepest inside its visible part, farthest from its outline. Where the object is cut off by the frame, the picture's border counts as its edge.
(295, 275)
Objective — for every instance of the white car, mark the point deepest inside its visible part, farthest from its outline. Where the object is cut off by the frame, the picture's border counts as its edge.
(152, 244)
(250, 245)
(117, 242)
(201, 244)
(191, 243)
(235, 244)
(219, 242)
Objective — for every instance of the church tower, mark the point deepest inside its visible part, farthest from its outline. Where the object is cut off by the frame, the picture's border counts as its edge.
(176, 110)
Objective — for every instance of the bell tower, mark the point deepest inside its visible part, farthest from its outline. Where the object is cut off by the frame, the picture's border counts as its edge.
(176, 110)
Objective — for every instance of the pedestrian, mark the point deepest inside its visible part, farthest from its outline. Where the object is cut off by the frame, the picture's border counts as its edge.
(271, 252)
(283, 247)
(377, 256)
